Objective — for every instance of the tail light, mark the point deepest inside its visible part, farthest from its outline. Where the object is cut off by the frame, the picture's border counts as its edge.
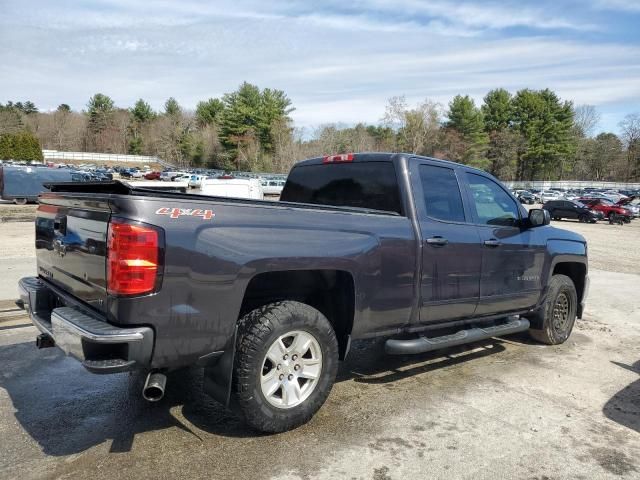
(134, 254)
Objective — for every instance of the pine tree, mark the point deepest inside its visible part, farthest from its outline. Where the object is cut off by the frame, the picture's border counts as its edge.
(467, 120)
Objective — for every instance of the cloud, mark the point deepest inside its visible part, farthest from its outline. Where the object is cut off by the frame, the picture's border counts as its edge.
(338, 61)
(617, 5)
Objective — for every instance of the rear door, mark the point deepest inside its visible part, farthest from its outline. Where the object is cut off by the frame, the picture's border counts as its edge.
(71, 235)
(512, 256)
(451, 250)
(569, 210)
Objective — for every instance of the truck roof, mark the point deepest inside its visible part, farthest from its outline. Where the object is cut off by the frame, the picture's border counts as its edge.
(384, 157)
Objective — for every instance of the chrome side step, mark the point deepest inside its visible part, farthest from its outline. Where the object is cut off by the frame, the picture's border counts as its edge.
(424, 344)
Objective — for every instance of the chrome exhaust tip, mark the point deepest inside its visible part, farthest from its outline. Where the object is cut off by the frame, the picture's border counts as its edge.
(154, 386)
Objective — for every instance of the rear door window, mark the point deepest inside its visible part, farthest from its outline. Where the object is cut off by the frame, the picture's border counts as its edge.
(371, 185)
(442, 197)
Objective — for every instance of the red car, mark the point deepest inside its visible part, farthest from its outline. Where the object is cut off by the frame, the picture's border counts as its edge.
(607, 207)
(152, 176)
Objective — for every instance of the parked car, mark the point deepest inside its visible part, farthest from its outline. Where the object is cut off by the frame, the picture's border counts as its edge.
(136, 174)
(268, 296)
(613, 196)
(527, 197)
(168, 175)
(181, 177)
(547, 195)
(608, 208)
(195, 181)
(594, 195)
(559, 209)
(631, 203)
(152, 176)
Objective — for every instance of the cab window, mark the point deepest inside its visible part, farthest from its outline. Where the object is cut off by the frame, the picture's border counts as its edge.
(491, 204)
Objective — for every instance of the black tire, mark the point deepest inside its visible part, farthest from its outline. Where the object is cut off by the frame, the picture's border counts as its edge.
(583, 219)
(257, 332)
(549, 324)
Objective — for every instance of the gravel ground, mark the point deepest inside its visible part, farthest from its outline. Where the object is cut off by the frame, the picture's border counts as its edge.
(506, 408)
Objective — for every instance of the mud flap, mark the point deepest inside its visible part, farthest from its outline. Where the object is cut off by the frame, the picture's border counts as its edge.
(218, 373)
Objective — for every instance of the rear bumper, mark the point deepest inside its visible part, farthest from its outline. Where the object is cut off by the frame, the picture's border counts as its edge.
(84, 335)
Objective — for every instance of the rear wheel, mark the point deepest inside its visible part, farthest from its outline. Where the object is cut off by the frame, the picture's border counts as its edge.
(553, 323)
(20, 201)
(583, 219)
(286, 363)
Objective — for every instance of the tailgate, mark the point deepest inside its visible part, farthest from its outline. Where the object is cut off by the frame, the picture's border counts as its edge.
(71, 235)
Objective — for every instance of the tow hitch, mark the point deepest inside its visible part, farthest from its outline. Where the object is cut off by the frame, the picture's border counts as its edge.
(44, 341)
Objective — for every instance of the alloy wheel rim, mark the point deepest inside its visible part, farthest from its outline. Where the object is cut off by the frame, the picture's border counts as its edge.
(561, 312)
(291, 369)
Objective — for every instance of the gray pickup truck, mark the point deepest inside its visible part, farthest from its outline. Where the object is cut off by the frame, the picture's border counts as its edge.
(267, 296)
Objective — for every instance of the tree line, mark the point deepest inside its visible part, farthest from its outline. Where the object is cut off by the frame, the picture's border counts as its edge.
(529, 135)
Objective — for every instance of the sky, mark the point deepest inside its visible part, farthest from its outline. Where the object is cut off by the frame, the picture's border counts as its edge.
(339, 61)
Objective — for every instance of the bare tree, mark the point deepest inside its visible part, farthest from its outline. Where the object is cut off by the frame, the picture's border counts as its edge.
(585, 119)
(630, 134)
(417, 128)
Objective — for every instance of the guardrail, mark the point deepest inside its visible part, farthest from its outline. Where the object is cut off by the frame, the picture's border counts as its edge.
(570, 184)
(61, 157)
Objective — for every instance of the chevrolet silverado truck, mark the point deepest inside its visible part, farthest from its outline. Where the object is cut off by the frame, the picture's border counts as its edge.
(267, 296)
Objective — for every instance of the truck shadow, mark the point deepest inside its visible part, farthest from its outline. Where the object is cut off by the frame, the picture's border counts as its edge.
(66, 410)
(624, 407)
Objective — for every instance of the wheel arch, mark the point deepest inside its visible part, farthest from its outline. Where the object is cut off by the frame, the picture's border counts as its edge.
(330, 291)
(577, 272)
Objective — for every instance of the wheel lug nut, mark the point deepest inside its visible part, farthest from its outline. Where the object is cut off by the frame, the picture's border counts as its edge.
(297, 367)
(285, 356)
(290, 377)
(279, 367)
(281, 377)
(294, 357)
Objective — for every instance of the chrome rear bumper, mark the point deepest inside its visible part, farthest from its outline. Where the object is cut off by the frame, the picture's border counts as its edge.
(98, 345)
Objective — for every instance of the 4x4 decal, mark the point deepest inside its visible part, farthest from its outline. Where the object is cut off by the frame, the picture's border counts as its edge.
(189, 212)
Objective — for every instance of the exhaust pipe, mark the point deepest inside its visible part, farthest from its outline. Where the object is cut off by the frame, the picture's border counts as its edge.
(153, 389)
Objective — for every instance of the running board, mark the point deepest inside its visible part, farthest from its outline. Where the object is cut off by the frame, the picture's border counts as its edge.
(424, 344)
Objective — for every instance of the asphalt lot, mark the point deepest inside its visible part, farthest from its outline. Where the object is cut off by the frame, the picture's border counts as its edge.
(498, 409)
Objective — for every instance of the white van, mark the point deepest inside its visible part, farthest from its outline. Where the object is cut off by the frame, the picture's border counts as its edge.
(233, 187)
(273, 187)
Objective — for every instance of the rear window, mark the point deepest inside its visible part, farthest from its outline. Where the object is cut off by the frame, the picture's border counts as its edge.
(370, 185)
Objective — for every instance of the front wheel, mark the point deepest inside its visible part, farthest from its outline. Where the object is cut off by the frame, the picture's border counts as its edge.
(285, 366)
(553, 323)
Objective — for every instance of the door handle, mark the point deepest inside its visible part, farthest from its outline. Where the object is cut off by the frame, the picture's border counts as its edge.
(492, 243)
(437, 241)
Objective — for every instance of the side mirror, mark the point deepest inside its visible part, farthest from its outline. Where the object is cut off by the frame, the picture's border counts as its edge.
(539, 217)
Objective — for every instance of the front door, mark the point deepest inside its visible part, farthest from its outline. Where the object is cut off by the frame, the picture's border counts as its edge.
(512, 256)
(451, 250)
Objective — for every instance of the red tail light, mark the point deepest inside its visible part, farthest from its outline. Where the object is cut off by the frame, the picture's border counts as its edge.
(344, 157)
(133, 258)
